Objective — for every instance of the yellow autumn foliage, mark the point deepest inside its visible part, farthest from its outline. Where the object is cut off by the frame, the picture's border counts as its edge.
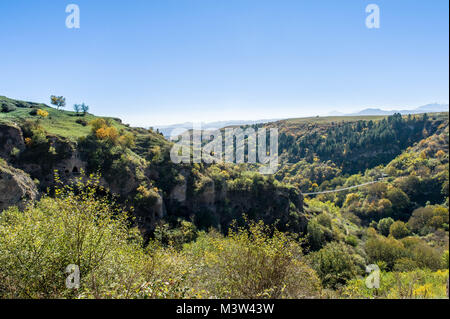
(42, 113)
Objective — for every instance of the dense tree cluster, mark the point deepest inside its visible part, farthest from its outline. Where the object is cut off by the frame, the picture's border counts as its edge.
(356, 146)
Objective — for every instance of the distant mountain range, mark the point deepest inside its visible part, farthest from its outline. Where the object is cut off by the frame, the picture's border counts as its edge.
(429, 108)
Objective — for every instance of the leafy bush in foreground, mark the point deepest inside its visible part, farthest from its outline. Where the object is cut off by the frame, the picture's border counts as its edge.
(75, 227)
(254, 262)
(335, 264)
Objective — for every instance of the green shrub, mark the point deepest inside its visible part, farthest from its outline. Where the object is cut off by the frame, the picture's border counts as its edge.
(146, 197)
(319, 231)
(254, 262)
(384, 225)
(176, 237)
(400, 202)
(417, 284)
(424, 255)
(81, 122)
(351, 240)
(7, 107)
(316, 238)
(15, 152)
(405, 264)
(398, 230)
(335, 264)
(75, 227)
(387, 250)
(445, 260)
(426, 219)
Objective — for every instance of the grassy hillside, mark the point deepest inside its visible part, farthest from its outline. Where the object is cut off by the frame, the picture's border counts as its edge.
(73, 126)
(59, 122)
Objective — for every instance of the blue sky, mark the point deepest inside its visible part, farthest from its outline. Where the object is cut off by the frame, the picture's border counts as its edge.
(155, 62)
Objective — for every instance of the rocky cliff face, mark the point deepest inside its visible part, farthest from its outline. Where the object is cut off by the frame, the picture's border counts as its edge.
(182, 191)
(20, 165)
(16, 187)
(216, 205)
(11, 138)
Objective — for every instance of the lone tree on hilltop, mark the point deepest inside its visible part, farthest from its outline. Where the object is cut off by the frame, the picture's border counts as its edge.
(58, 101)
(84, 108)
(77, 108)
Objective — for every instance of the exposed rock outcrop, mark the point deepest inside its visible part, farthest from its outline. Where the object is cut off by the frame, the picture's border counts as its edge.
(10, 137)
(178, 193)
(71, 166)
(159, 208)
(16, 187)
